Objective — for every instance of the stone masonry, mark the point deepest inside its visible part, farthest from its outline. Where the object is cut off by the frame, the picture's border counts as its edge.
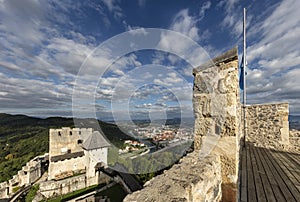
(268, 125)
(26, 176)
(217, 116)
(295, 141)
(193, 180)
(216, 98)
(53, 188)
(65, 151)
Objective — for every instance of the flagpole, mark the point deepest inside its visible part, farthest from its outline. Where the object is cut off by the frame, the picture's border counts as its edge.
(244, 76)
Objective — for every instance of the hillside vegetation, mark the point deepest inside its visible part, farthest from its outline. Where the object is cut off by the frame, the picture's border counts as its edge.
(23, 137)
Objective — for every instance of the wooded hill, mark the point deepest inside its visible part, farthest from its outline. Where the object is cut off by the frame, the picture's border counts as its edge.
(23, 137)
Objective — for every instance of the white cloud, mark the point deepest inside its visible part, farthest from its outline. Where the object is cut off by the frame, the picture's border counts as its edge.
(233, 19)
(170, 79)
(38, 95)
(40, 60)
(145, 106)
(113, 7)
(189, 50)
(280, 29)
(274, 58)
(205, 6)
(185, 24)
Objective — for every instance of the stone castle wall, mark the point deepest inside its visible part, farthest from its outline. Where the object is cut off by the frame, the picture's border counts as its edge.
(267, 125)
(295, 140)
(27, 175)
(193, 179)
(66, 155)
(54, 188)
(216, 97)
(217, 116)
(66, 140)
(30, 172)
(66, 167)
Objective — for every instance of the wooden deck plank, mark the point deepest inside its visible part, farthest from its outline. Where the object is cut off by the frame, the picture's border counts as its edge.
(257, 180)
(270, 175)
(289, 168)
(250, 177)
(290, 189)
(243, 196)
(280, 177)
(294, 165)
(294, 162)
(295, 158)
(266, 184)
(289, 159)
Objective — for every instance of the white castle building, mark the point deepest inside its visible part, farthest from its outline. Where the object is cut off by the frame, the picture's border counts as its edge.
(74, 151)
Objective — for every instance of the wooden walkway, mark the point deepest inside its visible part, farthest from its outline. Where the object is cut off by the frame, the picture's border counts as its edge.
(269, 175)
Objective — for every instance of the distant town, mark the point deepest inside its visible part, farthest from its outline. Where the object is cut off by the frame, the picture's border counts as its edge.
(150, 139)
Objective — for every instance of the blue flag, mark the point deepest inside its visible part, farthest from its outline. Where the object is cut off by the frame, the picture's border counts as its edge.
(241, 82)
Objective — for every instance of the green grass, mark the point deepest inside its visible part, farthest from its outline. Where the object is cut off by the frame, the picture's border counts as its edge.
(133, 153)
(15, 189)
(32, 192)
(75, 194)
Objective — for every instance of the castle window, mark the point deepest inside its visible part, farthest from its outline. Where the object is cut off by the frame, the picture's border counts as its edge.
(79, 141)
(59, 133)
(70, 132)
(69, 151)
(79, 132)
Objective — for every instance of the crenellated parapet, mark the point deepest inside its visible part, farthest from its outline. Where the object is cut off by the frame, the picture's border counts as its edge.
(29, 173)
(67, 140)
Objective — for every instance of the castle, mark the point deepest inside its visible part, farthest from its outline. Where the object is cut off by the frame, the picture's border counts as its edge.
(76, 150)
(75, 154)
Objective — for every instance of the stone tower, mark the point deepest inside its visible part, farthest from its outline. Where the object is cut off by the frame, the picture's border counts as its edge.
(96, 149)
(66, 155)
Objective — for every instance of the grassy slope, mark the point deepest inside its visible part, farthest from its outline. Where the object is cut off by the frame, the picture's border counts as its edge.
(23, 137)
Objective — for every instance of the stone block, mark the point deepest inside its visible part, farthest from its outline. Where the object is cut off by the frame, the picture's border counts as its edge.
(192, 180)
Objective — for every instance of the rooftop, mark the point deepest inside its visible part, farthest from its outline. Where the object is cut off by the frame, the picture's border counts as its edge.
(95, 141)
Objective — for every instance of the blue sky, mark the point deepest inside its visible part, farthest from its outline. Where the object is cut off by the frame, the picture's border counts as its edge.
(45, 44)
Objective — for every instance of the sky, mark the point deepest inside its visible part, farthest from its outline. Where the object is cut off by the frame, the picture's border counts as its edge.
(133, 59)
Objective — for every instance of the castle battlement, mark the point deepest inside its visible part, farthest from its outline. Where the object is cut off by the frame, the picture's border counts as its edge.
(67, 140)
(26, 176)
